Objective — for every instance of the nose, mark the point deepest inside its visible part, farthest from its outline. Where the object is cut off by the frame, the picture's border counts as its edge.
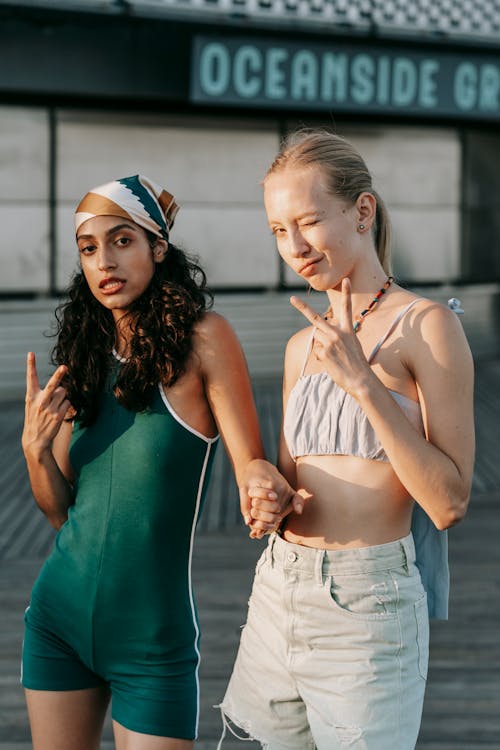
(297, 245)
(106, 259)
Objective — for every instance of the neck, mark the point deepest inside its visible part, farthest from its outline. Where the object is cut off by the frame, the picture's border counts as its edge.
(364, 285)
(122, 335)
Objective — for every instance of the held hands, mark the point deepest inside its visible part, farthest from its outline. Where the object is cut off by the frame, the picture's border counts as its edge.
(45, 409)
(336, 344)
(266, 498)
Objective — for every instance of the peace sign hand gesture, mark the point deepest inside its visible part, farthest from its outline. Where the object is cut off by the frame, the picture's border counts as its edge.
(45, 409)
(337, 346)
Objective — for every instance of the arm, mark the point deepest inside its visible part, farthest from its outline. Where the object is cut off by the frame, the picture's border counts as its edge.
(45, 443)
(437, 471)
(230, 397)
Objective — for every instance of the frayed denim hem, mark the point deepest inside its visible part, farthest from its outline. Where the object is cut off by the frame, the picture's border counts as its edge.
(245, 726)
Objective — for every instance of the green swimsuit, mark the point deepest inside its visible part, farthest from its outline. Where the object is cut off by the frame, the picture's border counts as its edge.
(113, 603)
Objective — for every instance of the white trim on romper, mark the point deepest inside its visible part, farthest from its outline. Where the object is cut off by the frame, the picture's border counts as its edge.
(190, 577)
(22, 650)
(209, 442)
(172, 411)
(171, 408)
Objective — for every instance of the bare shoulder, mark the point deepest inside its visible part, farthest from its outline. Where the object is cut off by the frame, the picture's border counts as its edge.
(431, 317)
(216, 345)
(432, 327)
(213, 330)
(212, 322)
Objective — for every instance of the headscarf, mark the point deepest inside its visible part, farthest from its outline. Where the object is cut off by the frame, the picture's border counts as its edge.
(135, 198)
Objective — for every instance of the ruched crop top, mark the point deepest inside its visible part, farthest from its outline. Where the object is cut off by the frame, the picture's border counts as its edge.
(322, 419)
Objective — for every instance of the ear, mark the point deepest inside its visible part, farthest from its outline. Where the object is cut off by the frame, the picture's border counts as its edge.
(160, 249)
(366, 208)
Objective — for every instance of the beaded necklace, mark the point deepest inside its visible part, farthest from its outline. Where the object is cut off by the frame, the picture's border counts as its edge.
(362, 315)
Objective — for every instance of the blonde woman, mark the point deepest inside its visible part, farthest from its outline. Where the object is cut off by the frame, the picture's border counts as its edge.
(378, 438)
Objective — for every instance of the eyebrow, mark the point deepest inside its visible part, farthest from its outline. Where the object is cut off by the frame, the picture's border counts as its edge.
(108, 232)
(308, 214)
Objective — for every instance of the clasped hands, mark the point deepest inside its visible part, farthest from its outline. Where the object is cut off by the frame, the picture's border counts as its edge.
(266, 498)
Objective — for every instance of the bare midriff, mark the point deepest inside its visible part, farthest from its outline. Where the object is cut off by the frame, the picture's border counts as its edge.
(354, 502)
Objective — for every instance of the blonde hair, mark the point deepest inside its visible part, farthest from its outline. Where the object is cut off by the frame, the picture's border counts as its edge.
(346, 173)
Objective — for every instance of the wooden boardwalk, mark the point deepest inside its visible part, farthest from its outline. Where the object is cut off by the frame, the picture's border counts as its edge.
(462, 708)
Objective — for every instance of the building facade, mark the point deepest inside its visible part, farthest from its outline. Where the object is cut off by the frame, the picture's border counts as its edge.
(197, 94)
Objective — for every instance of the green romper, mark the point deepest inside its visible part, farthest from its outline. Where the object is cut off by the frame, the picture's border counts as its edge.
(113, 604)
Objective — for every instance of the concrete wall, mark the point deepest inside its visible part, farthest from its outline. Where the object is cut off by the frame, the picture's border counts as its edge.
(24, 196)
(214, 167)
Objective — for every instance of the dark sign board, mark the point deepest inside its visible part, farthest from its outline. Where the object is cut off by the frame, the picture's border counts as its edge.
(340, 77)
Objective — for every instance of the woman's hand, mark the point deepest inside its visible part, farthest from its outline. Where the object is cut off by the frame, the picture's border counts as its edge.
(45, 409)
(337, 346)
(266, 498)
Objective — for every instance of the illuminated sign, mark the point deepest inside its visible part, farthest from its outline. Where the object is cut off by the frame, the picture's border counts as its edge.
(343, 78)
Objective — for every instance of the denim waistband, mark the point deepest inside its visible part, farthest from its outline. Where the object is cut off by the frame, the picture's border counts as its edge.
(321, 562)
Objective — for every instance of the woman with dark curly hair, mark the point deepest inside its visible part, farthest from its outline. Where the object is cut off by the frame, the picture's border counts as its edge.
(119, 446)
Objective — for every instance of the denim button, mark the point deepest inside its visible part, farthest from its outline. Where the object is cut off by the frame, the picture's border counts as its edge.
(291, 556)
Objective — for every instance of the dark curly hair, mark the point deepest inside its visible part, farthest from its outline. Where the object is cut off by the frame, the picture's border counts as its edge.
(161, 322)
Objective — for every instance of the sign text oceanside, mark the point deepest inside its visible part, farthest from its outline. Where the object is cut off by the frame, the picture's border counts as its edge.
(255, 72)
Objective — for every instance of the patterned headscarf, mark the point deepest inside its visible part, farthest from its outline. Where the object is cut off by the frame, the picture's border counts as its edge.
(134, 198)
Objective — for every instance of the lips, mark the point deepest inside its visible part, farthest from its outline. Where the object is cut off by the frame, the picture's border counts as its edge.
(309, 268)
(111, 285)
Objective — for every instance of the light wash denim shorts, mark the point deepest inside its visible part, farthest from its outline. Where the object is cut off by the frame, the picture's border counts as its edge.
(335, 650)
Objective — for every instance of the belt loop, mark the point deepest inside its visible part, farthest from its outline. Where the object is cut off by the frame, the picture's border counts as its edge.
(404, 547)
(318, 566)
(270, 547)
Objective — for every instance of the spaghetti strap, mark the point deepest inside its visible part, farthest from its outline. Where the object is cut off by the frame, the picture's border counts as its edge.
(391, 328)
(308, 351)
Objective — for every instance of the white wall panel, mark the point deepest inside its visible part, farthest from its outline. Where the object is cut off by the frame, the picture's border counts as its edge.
(24, 248)
(425, 243)
(233, 243)
(24, 212)
(205, 165)
(412, 166)
(24, 147)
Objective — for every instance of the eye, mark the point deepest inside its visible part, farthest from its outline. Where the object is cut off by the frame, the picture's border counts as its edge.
(123, 241)
(87, 249)
(278, 231)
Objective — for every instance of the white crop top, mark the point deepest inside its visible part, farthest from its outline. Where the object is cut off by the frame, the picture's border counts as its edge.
(322, 419)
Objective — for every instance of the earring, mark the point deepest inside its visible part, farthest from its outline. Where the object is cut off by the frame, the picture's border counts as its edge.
(361, 227)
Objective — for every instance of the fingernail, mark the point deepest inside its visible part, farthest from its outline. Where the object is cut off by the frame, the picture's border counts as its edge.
(248, 519)
(299, 508)
(272, 495)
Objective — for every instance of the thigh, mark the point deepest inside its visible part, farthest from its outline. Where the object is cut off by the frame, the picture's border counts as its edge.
(126, 739)
(67, 720)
